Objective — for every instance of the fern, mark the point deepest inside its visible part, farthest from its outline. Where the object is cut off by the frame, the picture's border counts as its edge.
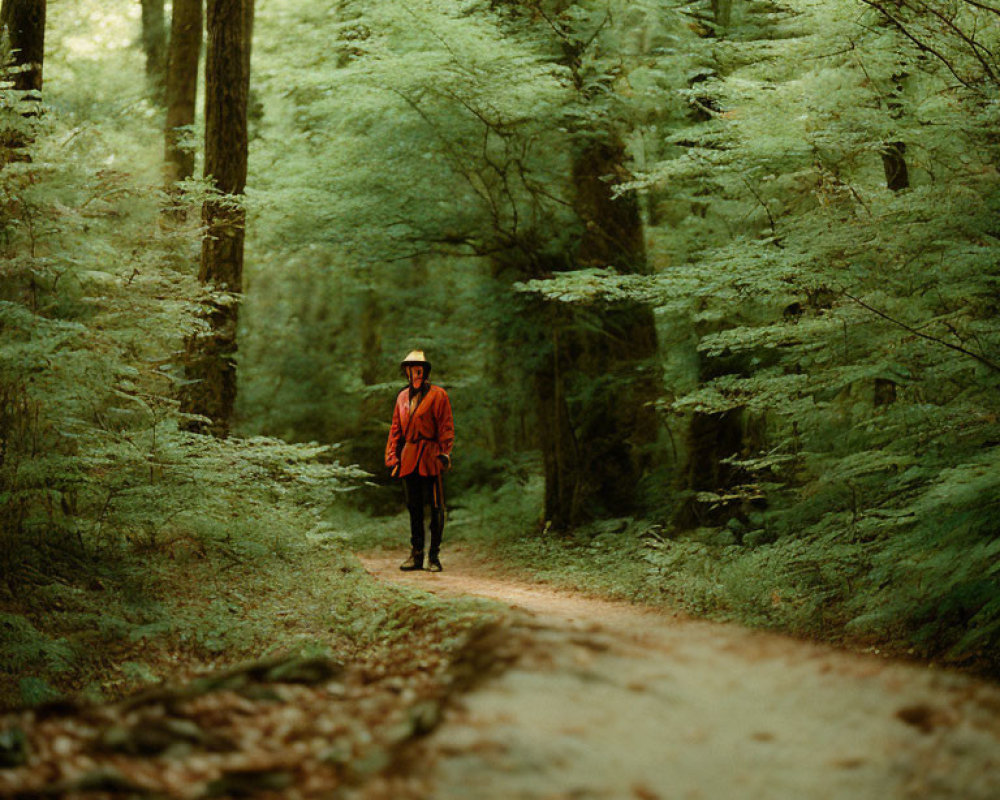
(25, 648)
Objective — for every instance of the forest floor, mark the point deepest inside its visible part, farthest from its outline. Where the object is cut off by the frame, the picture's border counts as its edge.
(489, 685)
(611, 700)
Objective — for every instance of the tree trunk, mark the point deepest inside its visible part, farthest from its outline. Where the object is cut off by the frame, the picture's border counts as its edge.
(612, 229)
(596, 425)
(24, 23)
(894, 165)
(714, 437)
(154, 44)
(181, 89)
(894, 152)
(366, 442)
(210, 356)
(373, 406)
(599, 375)
(711, 438)
(722, 12)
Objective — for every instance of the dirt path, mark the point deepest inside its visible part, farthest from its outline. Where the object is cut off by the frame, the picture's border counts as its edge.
(607, 700)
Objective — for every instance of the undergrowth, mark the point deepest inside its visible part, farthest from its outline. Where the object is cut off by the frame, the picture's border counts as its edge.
(112, 629)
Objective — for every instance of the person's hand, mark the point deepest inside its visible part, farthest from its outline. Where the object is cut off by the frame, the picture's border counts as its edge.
(445, 461)
(395, 471)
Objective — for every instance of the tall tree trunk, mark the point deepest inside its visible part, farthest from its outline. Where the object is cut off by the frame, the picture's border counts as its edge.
(597, 424)
(181, 89)
(154, 44)
(211, 362)
(599, 377)
(711, 437)
(592, 368)
(24, 23)
(612, 229)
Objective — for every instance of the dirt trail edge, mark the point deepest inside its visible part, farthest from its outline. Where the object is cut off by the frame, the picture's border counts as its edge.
(608, 700)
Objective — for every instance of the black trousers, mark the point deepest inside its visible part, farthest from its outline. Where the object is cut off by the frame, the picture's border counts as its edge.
(420, 491)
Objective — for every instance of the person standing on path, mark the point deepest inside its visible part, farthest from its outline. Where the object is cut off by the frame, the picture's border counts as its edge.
(419, 452)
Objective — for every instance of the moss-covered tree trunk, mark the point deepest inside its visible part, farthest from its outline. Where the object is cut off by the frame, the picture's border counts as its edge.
(599, 375)
(154, 44)
(181, 89)
(592, 368)
(211, 365)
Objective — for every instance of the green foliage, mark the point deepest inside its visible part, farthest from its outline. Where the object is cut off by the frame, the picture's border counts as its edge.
(139, 672)
(26, 649)
(103, 494)
(413, 146)
(93, 447)
(941, 562)
(35, 691)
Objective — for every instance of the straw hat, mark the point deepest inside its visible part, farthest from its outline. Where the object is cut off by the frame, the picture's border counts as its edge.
(416, 358)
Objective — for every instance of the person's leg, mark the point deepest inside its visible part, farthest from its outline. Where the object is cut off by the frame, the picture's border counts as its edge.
(436, 490)
(413, 490)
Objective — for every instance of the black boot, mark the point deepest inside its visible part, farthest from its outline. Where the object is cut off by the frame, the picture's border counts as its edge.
(437, 528)
(414, 562)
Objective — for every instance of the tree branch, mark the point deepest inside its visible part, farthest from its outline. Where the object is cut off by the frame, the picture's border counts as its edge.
(976, 47)
(983, 6)
(920, 44)
(980, 358)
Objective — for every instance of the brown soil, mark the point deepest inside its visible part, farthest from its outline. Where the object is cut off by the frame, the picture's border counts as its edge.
(607, 700)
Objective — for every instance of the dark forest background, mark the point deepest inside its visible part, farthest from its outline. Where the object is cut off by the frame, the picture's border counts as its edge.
(713, 288)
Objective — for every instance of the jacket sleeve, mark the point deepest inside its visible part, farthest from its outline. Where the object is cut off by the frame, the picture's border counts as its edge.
(445, 426)
(395, 437)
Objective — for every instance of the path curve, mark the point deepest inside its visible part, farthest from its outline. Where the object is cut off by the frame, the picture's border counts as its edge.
(609, 700)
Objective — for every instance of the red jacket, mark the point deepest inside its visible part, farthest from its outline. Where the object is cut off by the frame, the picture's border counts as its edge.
(429, 433)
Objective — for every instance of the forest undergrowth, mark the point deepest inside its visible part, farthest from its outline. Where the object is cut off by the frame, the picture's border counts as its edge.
(95, 631)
